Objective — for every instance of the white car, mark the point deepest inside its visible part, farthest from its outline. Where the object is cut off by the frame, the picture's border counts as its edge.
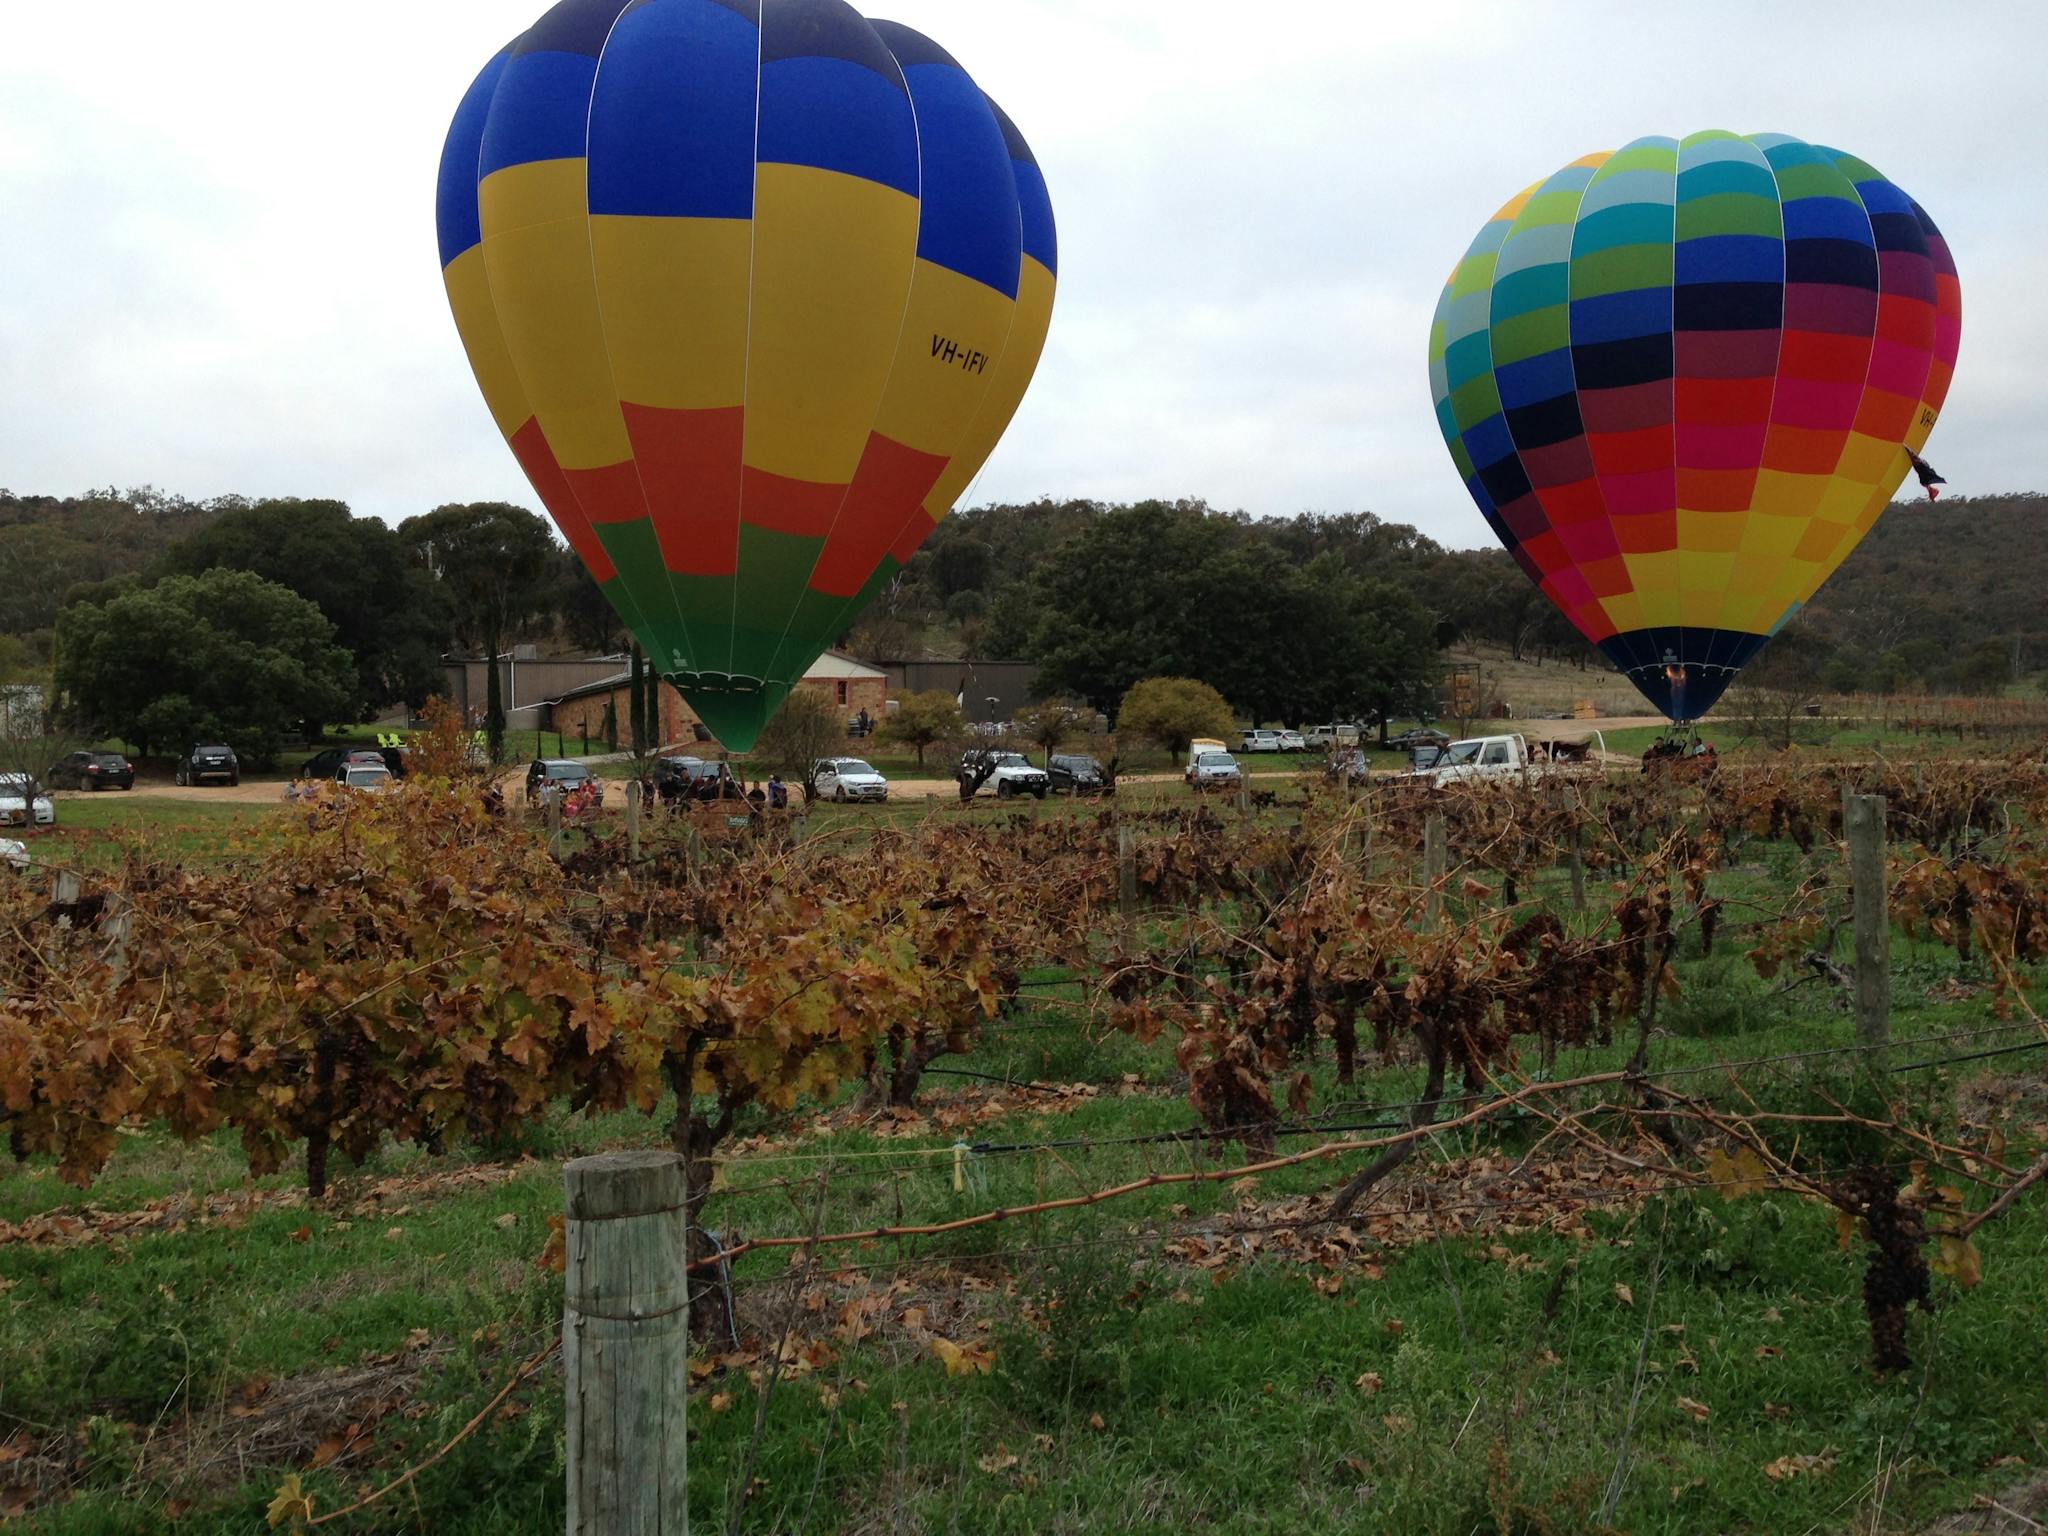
(1214, 770)
(13, 852)
(1259, 741)
(847, 778)
(1291, 741)
(15, 809)
(369, 778)
(1008, 773)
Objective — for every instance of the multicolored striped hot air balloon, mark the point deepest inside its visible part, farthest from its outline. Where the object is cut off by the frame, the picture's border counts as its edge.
(1681, 381)
(752, 288)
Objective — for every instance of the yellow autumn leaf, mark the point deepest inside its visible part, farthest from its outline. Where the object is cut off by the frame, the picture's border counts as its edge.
(1624, 1295)
(964, 1359)
(1697, 1409)
(291, 1504)
(1847, 1224)
(1957, 1257)
(1743, 1173)
(1369, 1383)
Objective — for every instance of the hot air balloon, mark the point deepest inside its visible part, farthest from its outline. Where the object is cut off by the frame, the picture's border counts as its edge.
(1681, 380)
(752, 289)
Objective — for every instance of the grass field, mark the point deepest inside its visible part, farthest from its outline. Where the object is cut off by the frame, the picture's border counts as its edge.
(1583, 1356)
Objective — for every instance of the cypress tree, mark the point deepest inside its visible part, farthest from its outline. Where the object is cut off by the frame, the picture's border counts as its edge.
(636, 706)
(494, 712)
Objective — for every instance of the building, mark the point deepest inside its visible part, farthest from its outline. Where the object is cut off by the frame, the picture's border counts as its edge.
(987, 690)
(529, 683)
(578, 711)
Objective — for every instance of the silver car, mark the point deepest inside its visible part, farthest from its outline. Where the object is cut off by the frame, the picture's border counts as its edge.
(1214, 770)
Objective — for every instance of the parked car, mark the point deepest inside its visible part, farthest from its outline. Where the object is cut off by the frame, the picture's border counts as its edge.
(1335, 735)
(563, 773)
(1293, 741)
(847, 778)
(675, 777)
(16, 807)
(1012, 773)
(209, 761)
(91, 770)
(1214, 770)
(1415, 740)
(322, 765)
(13, 853)
(369, 777)
(694, 778)
(1259, 741)
(1072, 774)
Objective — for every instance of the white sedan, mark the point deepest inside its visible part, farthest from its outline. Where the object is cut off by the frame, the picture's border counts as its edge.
(15, 810)
(847, 778)
(13, 853)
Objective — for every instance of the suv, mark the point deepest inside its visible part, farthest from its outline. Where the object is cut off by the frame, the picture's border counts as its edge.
(1076, 775)
(209, 761)
(846, 778)
(1260, 741)
(1010, 772)
(561, 772)
(91, 770)
(1214, 770)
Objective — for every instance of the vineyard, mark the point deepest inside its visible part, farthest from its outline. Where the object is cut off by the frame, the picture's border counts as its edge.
(1520, 1158)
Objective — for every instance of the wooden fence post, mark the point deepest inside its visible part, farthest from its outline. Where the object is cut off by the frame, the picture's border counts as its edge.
(1863, 824)
(1434, 862)
(626, 1345)
(633, 822)
(555, 828)
(1127, 878)
(1578, 867)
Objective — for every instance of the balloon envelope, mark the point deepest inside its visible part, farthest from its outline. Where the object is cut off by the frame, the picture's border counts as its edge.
(1681, 380)
(752, 288)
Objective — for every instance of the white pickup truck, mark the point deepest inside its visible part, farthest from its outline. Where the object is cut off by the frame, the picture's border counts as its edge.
(1506, 757)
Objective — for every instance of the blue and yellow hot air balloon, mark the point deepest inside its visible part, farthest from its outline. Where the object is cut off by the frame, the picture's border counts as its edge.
(1682, 380)
(752, 289)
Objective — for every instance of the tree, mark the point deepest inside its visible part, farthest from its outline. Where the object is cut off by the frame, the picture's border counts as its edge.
(636, 705)
(494, 710)
(806, 728)
(1776, 698)
(1150, 590)
(225, 655)
(494, 565)
(921, 720)
(589, 621)
(384, 608)
(1173, 711)
(1396, 660)
(1048, 724)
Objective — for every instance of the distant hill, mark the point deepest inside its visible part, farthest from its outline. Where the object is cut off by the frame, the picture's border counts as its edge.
(1954, 573)
(50, 544)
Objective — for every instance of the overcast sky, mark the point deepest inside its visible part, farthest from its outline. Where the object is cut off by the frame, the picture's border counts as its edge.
(218, 271)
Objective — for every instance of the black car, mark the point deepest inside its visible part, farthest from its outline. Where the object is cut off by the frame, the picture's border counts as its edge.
(1414, 741)
(91, 770)
(209, 761)
(323, 765)
(1074, 775)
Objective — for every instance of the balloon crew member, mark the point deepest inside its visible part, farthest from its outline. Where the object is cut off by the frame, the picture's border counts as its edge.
(1928, 478)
